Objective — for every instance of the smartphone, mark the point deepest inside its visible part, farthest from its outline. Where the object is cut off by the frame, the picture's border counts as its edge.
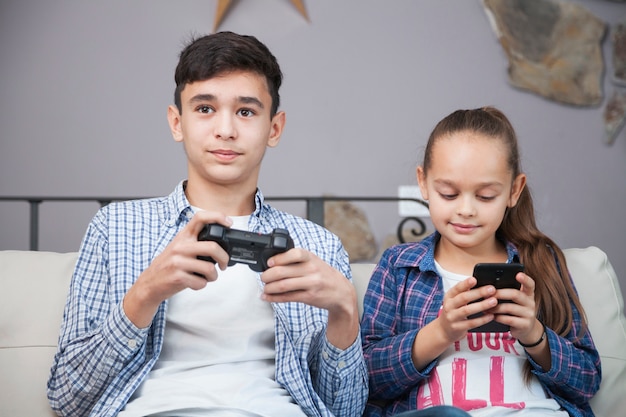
(500, 275)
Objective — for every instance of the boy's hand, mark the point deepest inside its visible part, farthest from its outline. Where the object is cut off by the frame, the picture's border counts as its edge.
(175, 269)
(300, 276)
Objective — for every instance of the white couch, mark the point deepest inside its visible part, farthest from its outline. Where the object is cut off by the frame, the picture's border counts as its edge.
(33, 288)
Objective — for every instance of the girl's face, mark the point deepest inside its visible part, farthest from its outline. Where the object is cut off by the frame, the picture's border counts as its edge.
(469, 186)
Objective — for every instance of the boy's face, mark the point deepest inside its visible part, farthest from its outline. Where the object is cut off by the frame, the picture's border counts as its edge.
(225, 127)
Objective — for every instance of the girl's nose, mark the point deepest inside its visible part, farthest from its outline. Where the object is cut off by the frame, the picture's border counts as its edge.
(466, 207)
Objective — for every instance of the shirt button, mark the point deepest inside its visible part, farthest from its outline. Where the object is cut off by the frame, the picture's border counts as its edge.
(325, 355)
(341, 364)
(132, 343)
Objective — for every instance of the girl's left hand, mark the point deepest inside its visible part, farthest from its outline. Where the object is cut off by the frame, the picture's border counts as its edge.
(521, 314)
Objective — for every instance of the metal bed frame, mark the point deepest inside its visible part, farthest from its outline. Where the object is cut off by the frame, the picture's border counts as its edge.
(314, 209)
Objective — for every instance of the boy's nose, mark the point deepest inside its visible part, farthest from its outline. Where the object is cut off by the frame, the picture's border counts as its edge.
(224, 128)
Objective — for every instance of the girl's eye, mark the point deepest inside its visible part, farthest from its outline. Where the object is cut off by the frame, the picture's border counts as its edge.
(486, 198)
(448, 196)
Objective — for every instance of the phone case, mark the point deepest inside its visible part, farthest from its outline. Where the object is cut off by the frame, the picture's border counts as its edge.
(500, 275)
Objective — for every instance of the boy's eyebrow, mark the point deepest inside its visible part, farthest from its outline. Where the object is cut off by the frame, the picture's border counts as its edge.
(242, 99)
(201, 97)
(251, 100)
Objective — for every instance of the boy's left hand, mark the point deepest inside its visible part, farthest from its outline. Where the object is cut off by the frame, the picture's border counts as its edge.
(300, 276)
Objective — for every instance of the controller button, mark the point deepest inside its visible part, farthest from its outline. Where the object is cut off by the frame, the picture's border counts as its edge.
(280, 242)
(216, 231)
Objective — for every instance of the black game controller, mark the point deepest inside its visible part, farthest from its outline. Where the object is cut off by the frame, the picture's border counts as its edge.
(250, 248)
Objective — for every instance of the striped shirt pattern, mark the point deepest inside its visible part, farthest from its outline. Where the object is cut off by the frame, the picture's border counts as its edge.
(102, 358)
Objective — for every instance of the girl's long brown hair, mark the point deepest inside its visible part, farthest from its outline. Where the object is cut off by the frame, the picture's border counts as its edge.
(553, 287)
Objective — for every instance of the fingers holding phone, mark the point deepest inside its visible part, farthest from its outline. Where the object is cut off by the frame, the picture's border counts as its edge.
(502, 276)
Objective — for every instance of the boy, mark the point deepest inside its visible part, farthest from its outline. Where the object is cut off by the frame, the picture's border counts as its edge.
(151, 329)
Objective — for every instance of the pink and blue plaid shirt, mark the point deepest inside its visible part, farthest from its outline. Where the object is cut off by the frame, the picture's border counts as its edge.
(102, 357)
(405, 293)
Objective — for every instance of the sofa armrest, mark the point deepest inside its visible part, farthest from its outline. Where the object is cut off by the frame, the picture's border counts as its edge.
(600, 294)
(33, 289)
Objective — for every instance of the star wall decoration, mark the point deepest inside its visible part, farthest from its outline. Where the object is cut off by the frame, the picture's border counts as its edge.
(224, 5)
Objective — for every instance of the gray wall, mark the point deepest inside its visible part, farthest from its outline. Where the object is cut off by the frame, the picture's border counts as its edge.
(85, 85)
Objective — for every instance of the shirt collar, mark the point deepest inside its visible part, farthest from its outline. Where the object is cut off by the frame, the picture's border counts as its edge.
(422, 254)
(259, 204)
(180, 208)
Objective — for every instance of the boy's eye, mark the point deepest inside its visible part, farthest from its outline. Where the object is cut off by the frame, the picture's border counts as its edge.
(448, 196)
(204, 109)
(246, 112)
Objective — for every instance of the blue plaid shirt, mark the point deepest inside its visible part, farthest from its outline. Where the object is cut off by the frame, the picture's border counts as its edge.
(405, 293)
(102, 357)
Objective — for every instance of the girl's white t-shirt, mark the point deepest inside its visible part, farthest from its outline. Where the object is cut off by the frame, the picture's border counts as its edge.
(483, 374)
(218, 355)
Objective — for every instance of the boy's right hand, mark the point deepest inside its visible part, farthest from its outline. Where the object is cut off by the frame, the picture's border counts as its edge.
(176, 268)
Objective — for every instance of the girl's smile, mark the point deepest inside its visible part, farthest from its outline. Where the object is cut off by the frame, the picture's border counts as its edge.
(469, 187)
(463, 228)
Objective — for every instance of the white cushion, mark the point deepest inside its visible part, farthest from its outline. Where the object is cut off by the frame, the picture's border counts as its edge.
(33, 289)
(602, 299)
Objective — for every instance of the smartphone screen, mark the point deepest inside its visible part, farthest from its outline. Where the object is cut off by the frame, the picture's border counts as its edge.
(500, 275)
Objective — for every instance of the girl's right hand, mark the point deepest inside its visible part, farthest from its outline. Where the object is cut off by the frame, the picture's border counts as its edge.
(460, 302)
(452, 324)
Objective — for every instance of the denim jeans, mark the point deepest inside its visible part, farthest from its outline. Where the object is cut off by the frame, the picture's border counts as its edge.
(438, 411)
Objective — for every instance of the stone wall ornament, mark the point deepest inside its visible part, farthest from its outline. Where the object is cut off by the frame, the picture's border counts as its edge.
(618, 47)
(614, 116)
(553, 47)
(350, 224)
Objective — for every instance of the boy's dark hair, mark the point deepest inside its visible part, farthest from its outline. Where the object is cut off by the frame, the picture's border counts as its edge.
(224, 52)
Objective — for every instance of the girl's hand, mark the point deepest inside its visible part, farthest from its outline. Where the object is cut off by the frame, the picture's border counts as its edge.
(462, 302)
(521, 314)
(453, 323)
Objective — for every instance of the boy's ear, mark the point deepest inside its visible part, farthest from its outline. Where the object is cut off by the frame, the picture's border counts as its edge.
(421, 181)
(173, 118)
(516, 189)
(276, 129)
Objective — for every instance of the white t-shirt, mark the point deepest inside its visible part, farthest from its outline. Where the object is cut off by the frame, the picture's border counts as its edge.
(218, 355)
(483, 374)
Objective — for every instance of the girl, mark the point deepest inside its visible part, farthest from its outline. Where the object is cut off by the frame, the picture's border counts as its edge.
(422, 302)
